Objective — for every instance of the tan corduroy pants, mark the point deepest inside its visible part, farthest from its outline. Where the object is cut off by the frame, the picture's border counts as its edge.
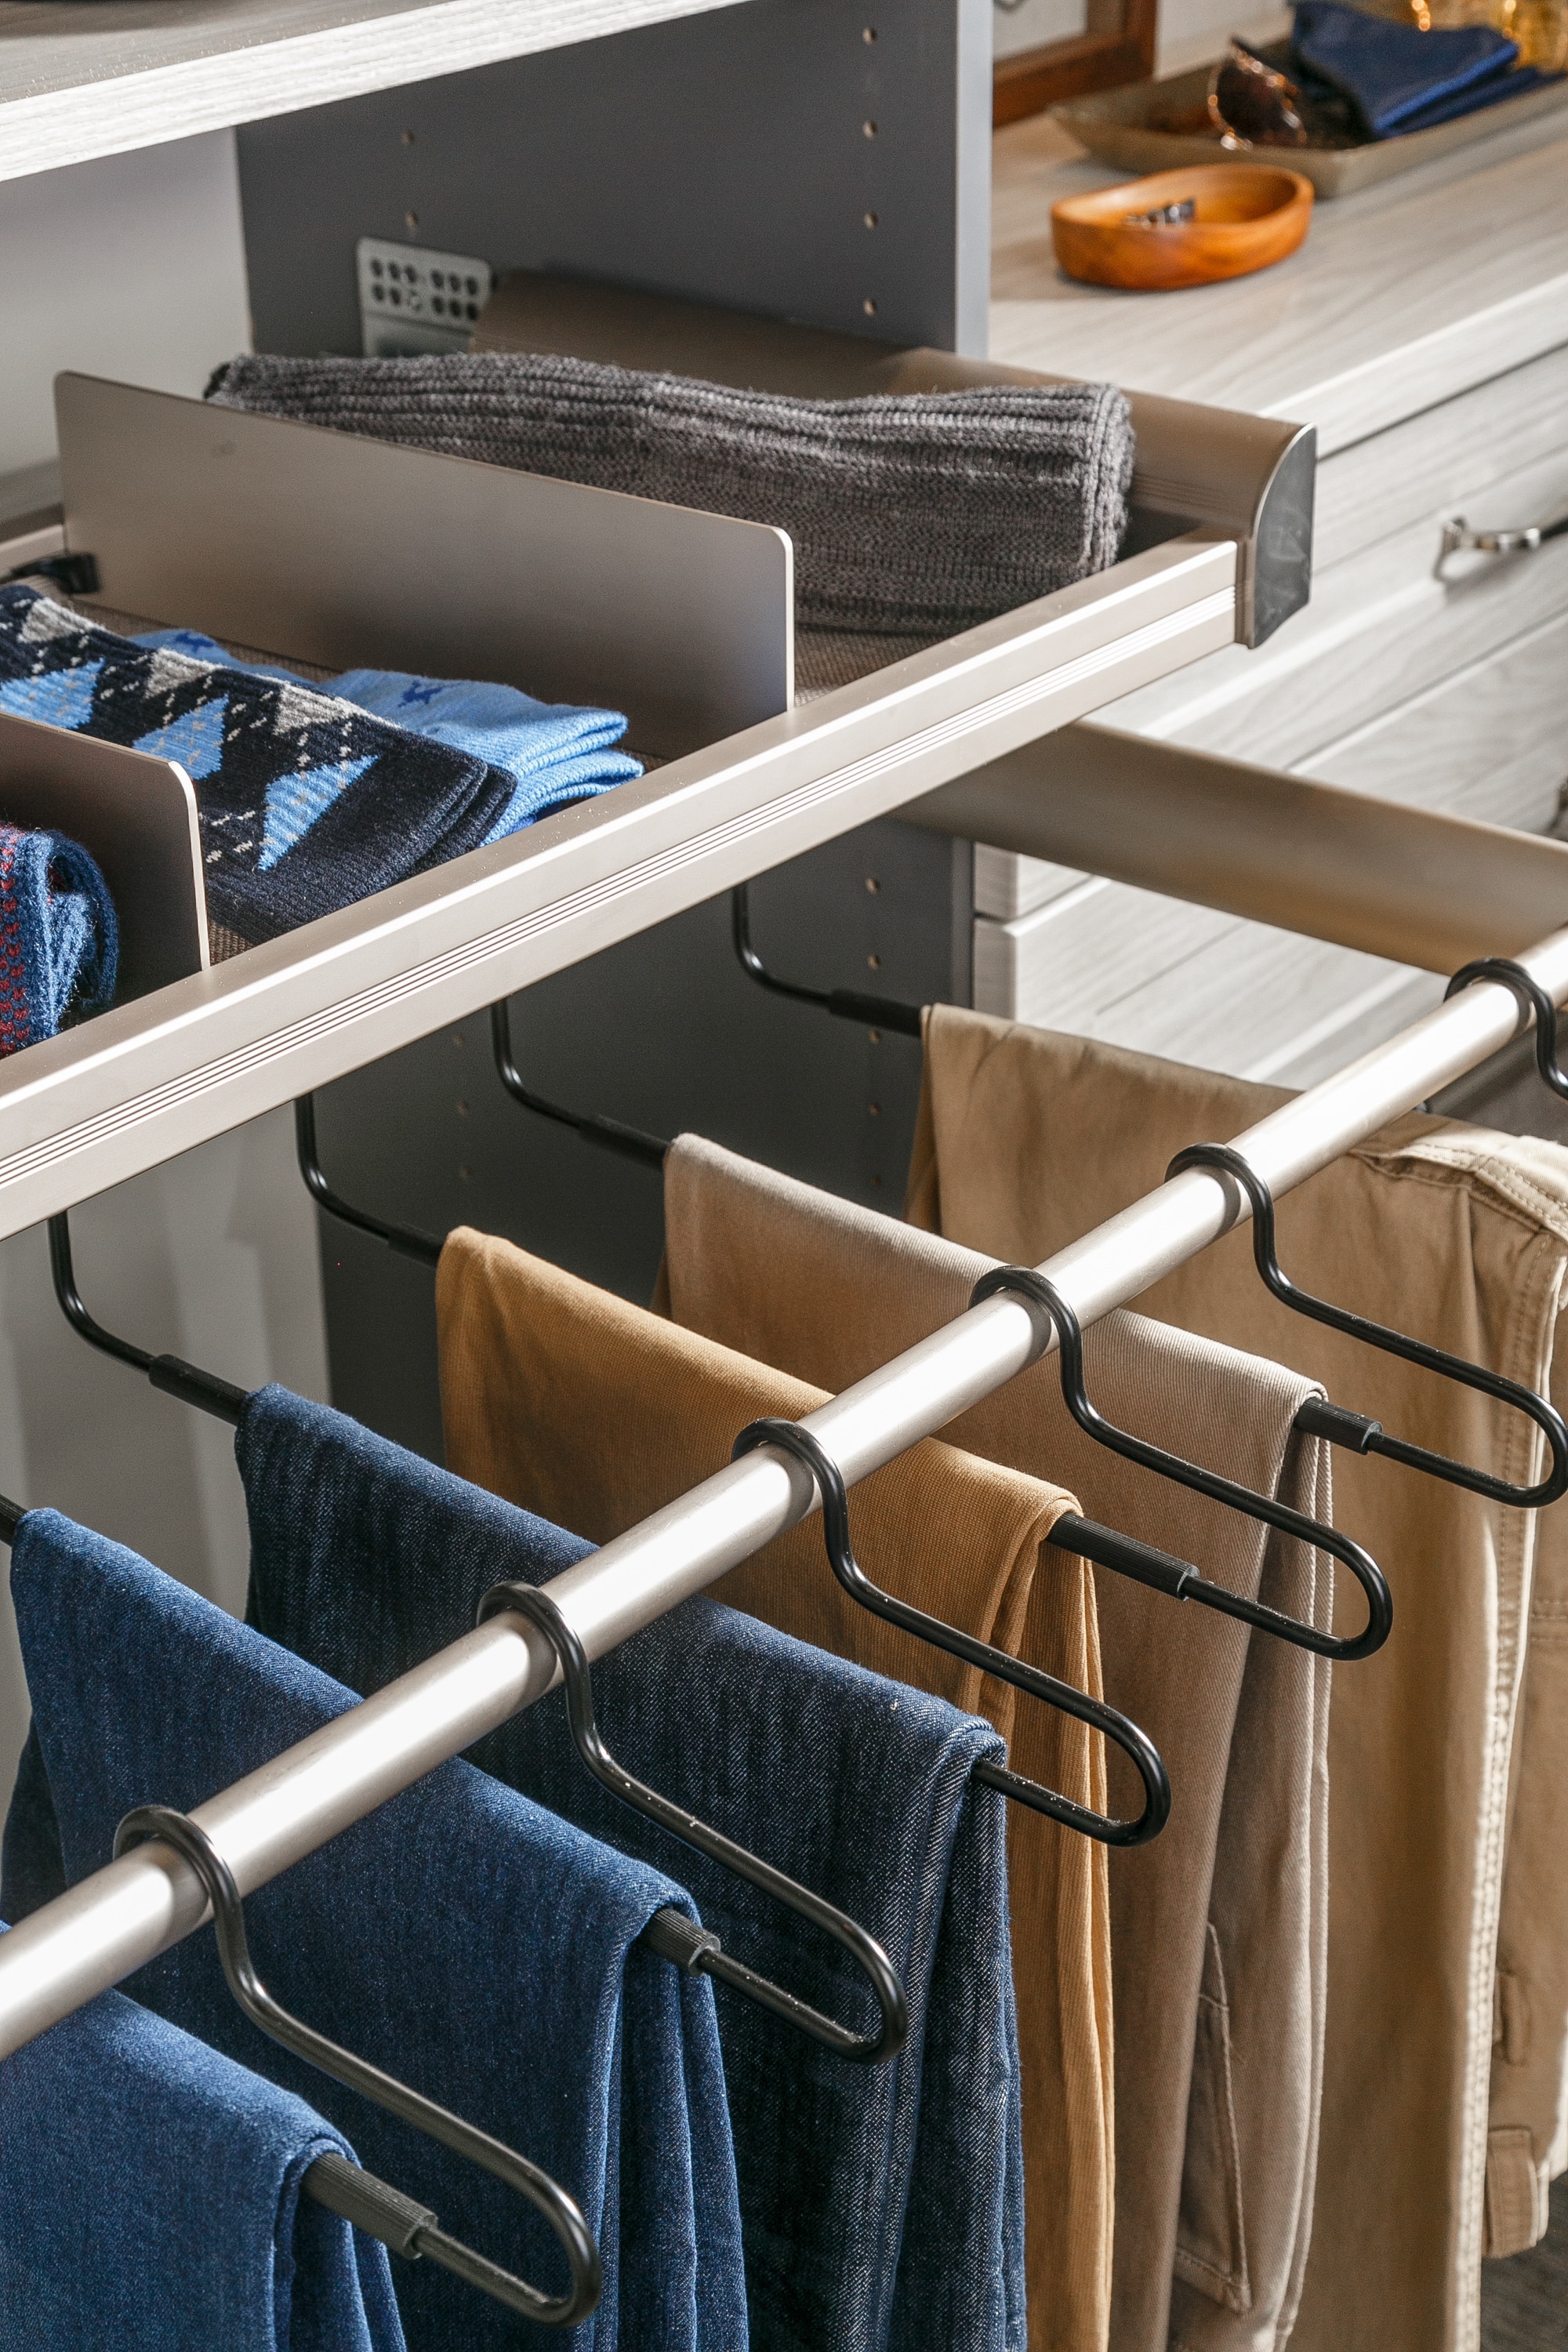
(1219, 1928)
(1528, 2141)
(1026, 1140)
(595, 1413)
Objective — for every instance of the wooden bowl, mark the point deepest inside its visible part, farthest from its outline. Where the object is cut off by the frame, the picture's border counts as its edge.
(1247, 215)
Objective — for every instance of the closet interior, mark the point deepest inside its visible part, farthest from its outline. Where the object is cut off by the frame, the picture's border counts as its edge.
(1088, 1876)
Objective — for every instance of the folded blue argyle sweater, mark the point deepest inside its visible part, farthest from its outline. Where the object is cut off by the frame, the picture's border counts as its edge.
(59, 937)
(556, 752)
(307, 801)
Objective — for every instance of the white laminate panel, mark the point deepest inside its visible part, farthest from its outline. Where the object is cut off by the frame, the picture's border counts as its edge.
(1161, 976)
(1006, 884)
(1404, 296)
(132, 267)
(1379, 630)
(1461, 455)
(1252, 1001)
(1490, 743)
(78, 82)
(1069, 963)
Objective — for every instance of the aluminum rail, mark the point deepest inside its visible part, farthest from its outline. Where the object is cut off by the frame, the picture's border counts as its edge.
(123, 1916)
(1405, 883)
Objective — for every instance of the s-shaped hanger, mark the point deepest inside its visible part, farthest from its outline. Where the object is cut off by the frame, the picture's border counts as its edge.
(794, 1437)
(398, 2221)
(173, 1374)
(634, 1142)
(1024, 1283)
(668, 1933)
(844, 1004)
(680, 1939)
(1354, 1430)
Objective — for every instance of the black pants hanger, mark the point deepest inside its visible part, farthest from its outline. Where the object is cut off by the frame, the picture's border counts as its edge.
(791, 1437)
(844, 1004)
(1532, 999)
(668, 1934)
(407, 1241)
(409, 2229)
(634, 1142)
(695, 1947)
(1354, 1430)
(610, 1134)
(173, 1374)
(1187, 1584)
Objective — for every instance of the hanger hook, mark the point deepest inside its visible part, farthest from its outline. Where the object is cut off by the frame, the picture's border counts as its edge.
(794, 1437)
(609, 1134)
(407, 1241)
(1533, 998)
(172, 1374)
(1025, 1282)
(192, 1844)
(670, 1933)
(844, 1004)
(1358, 1433)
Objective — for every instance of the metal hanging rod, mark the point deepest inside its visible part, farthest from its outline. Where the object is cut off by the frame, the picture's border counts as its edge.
(114, 1922)
(1315, 858)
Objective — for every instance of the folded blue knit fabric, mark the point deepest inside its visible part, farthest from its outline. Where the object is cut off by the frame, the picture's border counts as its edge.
(151, 2200)
(882, 2207)
(59, 937)
(1398, 77)
(556, 753)
(461, 1937)
(306, 804)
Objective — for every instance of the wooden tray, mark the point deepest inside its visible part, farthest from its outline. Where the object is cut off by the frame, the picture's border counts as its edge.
(1126, 128)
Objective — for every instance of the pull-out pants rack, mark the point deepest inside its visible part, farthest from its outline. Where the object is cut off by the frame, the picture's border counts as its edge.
(1455, 882)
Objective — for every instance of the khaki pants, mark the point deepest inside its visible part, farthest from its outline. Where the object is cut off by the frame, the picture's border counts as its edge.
(595, 1414)
(1026, 1140)
(1219, 1928)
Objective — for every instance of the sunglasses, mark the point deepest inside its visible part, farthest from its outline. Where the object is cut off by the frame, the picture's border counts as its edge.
(1252, 105)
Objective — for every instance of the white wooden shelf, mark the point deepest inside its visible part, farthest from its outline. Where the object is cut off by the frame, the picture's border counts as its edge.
(78, 82)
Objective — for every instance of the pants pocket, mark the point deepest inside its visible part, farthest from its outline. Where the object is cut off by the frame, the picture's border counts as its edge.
(1210, 2235)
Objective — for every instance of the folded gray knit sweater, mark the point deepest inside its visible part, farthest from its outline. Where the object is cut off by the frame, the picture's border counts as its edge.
(915, 514)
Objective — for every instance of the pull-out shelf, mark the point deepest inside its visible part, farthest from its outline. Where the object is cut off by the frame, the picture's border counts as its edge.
(1221, 525)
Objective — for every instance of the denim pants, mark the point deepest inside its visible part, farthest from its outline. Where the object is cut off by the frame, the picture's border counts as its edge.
(461, 1937)
(881, 2207)
(150, 2198)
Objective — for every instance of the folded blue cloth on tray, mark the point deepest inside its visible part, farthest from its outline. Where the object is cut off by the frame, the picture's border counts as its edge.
(556, 752)
(59, 937)
(1397, 77)
(882, 2207)
(461, 1937)
(150, 2190)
